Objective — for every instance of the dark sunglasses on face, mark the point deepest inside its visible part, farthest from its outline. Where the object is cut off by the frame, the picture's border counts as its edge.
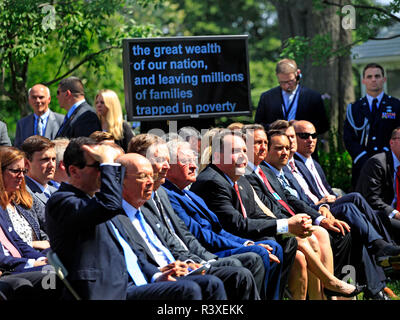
(306, 135)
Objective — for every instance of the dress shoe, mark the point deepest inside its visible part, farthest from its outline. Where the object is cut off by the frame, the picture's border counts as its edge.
(388, 255)
(390, 293)
(381, 295)
(356, 291)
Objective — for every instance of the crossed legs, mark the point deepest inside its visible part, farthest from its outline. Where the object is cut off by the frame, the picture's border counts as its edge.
(313, 268)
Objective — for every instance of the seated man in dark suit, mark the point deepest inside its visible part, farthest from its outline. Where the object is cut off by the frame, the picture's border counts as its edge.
(201, 221)
(316, 179)
(171, 230)
(81, 119)
(42, 121)
(364, 236)
(94, 250)
(378, 183)
(286, 207)
(230, 197)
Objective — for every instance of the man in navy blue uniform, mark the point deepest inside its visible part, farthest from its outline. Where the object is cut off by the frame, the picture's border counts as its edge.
(370, 121)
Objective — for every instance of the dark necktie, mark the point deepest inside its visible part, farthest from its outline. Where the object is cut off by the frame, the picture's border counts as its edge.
(276, 196)
(163, 215)
(374, 108)
(398, 188)
(236, 187)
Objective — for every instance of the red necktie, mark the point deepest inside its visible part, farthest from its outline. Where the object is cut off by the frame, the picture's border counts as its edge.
(8, 245)
(235, 186)
(292, 168)
(276, 196)
(398, 188)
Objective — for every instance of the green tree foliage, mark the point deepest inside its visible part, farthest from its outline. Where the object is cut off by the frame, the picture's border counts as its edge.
(368, 19)
(45, 42)
(256, 18)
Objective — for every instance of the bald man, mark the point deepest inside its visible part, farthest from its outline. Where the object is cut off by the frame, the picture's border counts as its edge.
(42, 121)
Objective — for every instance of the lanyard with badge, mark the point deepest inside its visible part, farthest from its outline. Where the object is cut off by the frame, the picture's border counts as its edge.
(287, 112)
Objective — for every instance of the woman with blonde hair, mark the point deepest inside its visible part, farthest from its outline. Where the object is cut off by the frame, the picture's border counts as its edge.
(109, 111)
(17, 206)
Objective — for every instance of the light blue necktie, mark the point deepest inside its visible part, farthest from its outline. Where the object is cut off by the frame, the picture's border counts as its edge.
(40, 126)
(286, 185)
(131, 260)
(152, 237)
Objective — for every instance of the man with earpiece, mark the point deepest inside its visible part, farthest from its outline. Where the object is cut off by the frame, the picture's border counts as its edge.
(290, 100)
(370, 120)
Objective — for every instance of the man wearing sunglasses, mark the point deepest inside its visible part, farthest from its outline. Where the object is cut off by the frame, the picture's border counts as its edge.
(290, 100)
(319, 186)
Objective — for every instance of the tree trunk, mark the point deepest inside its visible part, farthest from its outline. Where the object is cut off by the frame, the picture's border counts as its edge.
(299, 18)
(19, 92)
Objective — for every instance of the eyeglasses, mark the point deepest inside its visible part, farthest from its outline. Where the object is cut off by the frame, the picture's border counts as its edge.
(306, 135)
(141, 176)
(187, 161)
(289, 82)
(95, 165)
(18, 171)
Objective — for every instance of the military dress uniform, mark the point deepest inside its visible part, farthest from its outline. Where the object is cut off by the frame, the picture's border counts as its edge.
(368, 132)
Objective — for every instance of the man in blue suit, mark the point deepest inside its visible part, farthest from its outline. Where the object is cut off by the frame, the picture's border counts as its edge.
(319, 186)
(364, 233)
(203, 223)
(42, 121)
(92, 245)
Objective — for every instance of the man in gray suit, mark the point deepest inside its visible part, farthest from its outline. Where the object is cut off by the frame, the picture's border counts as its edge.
(42, 121)
(4, 139)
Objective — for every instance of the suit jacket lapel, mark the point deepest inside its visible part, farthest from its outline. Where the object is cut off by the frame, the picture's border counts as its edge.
(36, 190)
(32, 222)
(30, 126)
(365, 108)
(308, 177)
(50, 130)
(390, 168)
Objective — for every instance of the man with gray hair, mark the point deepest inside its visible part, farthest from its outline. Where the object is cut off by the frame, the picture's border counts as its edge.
(42, 121)
(81, 119)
